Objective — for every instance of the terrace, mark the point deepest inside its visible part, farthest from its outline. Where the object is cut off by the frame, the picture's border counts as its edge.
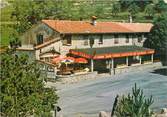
(115, 57)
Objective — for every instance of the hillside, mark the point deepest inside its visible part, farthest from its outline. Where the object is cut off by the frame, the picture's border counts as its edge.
(109, 10)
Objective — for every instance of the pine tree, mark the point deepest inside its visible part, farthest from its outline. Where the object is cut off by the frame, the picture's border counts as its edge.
(134, 105)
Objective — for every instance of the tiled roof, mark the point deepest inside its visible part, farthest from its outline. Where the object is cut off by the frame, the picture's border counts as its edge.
(65, 26)
(138, 27)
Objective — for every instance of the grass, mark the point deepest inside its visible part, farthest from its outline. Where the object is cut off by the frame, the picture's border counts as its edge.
(6, 25)
(6, 14)
(6, 29)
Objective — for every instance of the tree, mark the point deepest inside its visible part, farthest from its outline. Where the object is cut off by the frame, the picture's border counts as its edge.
(125, 3)
(161, 6)
(22, 88)
(99, 11)
(133, 9)
(150, 10)
(14, 41)
(134, 105)
(142, 3)
(65, 9)
(157, 39)
(20, 14)
(82, 11)
(116, 8)
(29, 12)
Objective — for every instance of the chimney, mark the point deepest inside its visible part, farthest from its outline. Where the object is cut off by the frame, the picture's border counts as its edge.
(130, 18)
(94, 20)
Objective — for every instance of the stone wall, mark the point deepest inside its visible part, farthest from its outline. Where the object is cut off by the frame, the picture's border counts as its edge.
(77, 77)
(29, 37)
(137, 67)
(93, 75)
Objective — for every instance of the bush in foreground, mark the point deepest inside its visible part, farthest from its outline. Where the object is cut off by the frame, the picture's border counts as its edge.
(22, 89)
(134, 105)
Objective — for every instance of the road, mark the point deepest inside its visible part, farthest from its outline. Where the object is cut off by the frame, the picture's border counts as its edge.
(87, 98)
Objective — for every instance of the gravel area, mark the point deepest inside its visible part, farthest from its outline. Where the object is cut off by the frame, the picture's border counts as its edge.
(87, 98)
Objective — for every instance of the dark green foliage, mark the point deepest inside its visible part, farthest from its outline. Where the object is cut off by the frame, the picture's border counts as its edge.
(99, 11)
(134, 105)
(150, 10)
(143, 3)
(22, 88)
(29, 12)
(161, 6)
(125, 4)
(140, 3)
(64, 9)
(116, 8)
(133, 9)
(14, 42)
(157, 38)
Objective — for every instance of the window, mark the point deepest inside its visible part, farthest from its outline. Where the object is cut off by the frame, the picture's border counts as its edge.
(127, 38)
(116, 40)
(39, 39)
(101, 39)
(86, 41)
(91, 41)
(67, 40)
(140, 38)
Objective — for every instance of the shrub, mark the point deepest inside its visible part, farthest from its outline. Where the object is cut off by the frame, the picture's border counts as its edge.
(134, 105)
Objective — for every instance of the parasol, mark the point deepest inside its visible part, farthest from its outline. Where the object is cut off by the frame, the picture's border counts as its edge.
(81, 60)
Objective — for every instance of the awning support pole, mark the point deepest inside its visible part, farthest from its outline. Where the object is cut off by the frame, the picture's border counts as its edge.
(127, 61)
(140, 60)
(152, 58)
(112, 66)
(92, 65)
(112, 61)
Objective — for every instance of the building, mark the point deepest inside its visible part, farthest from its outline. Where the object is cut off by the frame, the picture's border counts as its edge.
(107, 43)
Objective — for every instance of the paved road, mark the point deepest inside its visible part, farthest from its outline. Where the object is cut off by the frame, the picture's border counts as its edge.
(87, 98)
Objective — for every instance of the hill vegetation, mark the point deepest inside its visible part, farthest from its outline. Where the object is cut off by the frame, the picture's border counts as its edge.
(20, 16)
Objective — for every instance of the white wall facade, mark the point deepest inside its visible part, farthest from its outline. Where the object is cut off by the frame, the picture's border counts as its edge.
(108, 41)
(78, 41)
